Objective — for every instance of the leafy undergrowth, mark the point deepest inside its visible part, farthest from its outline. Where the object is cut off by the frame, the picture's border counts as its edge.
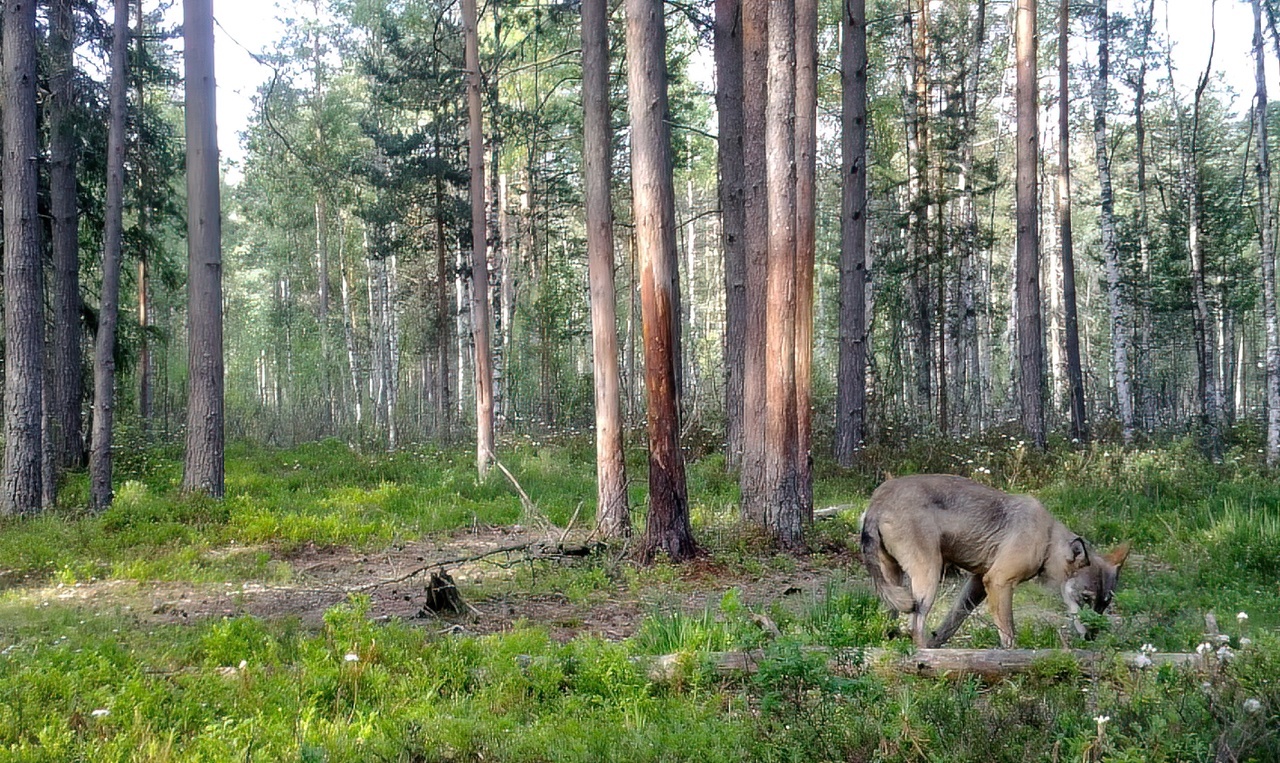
(98, 680)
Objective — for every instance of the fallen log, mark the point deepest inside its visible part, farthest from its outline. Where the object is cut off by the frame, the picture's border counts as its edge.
(926, 663)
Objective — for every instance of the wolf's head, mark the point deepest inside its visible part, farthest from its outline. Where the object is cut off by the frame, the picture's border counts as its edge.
(1093, 579)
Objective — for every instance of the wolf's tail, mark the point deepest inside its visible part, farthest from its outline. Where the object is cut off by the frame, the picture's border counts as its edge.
(895, 595)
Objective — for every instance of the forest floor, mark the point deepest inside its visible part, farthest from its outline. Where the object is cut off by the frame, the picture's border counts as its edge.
(501, 590)
(288, 621)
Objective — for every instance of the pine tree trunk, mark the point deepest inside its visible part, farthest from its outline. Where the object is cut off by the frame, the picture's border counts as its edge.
(806, 148)
(755, 67)
(479, 258)
(653, 194)
(1071, 323)
(23, 291)
(784, 517)
(1110, 248)
(1266, 241)
(612, 512)
(729, 110)
(66, 353)
(851, 384)
(104, 366)
(204, 468)
(1030, 342)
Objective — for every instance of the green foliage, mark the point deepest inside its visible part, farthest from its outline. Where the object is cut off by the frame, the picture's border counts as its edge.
(353, 688)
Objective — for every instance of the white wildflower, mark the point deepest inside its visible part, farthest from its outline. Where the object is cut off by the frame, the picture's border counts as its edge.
(1241, 617)
(1142, 661)
(1252, 705)
(100, 712)
(1245, 641)
(351, 657)
(1204, 648)
(1147, 649)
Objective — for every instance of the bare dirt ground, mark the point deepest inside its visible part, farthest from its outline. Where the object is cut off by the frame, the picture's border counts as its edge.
(498, 590)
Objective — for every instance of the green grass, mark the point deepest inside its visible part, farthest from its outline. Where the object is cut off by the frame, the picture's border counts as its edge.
(1206, 538)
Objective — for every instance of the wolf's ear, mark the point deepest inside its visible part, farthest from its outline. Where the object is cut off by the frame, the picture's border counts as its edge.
(1118, 554)
(1079, 554)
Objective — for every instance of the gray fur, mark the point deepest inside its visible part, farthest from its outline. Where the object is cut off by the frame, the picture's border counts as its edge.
(915, 526)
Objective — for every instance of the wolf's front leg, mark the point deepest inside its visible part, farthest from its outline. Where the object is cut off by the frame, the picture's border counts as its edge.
(1071, 597)
(1001, 606)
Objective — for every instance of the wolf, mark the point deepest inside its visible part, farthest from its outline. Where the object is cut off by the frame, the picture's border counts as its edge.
(915, 526)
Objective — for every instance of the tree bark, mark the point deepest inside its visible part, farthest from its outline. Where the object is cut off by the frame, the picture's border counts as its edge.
(104, 366)
(613, 517)
(1110, 248)
(23, 291)
(784, 512)
(66, 353)
(1266, 241)
(851, 386)
(145, 373)
(755, 67)
(204, 467)
(1071, 322)
(729, 111)
(653, 194)
(479, 257)
(806, 148)
(1143, 377)
(1030, 341)
(1206, 352)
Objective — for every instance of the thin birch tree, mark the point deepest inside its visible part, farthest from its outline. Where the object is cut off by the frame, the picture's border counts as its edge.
(1266, 240)
(479, 256)
(1116, 306)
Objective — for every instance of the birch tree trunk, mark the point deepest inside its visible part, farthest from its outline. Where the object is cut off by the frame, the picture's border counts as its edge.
(729, 110)
(23, 293)
(653, 195)
(479, 258)
(613, 517)
(1206, 352)
(1266, 241)
(1071, 323)
(204, 467)
(1143, 377)
(1030, 341)
(104, 366)
(851, 384)
(1116, 306)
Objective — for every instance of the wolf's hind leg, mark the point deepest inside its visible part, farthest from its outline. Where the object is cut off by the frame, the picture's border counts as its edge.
(924, 589)
(971, 595)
